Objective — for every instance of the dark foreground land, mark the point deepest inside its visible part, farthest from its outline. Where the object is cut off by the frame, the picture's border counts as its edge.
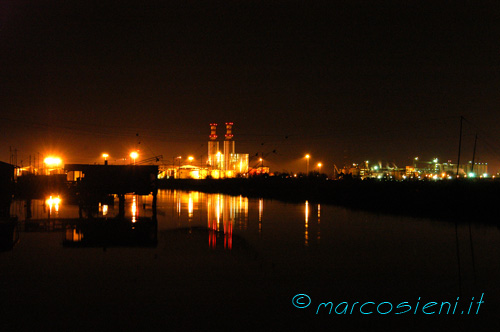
(462, 200)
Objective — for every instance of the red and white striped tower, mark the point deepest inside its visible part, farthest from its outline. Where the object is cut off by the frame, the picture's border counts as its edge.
(213, 146)
(228, 146)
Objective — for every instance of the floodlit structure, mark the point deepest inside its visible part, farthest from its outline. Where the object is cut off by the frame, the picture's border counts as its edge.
(226, 164)
(220, 164)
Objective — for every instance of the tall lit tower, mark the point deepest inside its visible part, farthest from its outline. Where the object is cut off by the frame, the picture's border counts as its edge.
(228, 146)
(213, 146)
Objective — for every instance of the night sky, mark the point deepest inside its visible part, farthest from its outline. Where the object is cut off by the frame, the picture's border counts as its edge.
(344, 81)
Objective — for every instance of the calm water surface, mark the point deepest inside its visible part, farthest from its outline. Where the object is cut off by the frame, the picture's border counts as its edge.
(218, 262)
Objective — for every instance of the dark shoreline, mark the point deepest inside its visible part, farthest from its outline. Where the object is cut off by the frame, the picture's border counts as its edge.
(461, 200)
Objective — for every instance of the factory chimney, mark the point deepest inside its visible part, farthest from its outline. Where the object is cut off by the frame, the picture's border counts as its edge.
(228, 147)
(213, 146)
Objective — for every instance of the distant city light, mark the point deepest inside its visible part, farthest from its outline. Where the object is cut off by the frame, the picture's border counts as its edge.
(105, 156)
(435, 160)
(471, 175)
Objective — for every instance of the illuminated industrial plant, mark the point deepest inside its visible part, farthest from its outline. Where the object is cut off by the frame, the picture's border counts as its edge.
(220, 164)
(229, 163)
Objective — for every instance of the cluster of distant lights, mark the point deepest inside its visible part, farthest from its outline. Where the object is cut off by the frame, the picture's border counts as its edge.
(56, 161)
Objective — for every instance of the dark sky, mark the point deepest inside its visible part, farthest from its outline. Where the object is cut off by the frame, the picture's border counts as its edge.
(345, 81)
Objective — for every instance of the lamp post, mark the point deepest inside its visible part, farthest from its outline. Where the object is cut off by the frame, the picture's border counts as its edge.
(307, 164)
(105, 156)
(319, 166)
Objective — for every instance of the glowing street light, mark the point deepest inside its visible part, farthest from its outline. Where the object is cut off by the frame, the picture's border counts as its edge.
(52, 161)
(190, 158)
(307, 163)
(134, 156)
(261, 162)
(319, 166)
(105, 156)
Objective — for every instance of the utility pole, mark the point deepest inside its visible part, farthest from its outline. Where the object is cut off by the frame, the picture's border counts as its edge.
(473, 155)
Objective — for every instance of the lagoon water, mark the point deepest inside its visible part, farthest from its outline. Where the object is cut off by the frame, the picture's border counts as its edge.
(220, 262)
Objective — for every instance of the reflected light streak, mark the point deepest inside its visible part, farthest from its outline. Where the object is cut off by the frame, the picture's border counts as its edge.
(218, 210)
(53, 203)
(190, 206)
(261, 210)
(134, 209)
(306, 231)
(319, 222)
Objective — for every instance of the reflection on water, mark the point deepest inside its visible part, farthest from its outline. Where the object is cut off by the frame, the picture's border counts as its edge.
(319, 222)
(134, 208)
(223, 213)
(261, 210)
(118, 232)
(219, 214)
(53, 204)
(306, 224)
(207, 253)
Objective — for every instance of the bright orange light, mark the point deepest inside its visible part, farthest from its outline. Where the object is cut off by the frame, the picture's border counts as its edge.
(52, 161)
(105, 155)
(134, 209)
(51, 201)
(134, 155)
(190, 158)
(319, 164)
(308, 156)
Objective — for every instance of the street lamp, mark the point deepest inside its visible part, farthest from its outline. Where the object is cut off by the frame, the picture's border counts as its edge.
(105, 156)
(134, 156)
(319, 166)
(52, 163)
(261, 162)
(307, 163)
(190, 158)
